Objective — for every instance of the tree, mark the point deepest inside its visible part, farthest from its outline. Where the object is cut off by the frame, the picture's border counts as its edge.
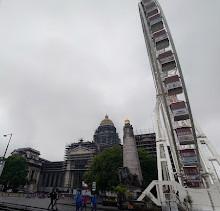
(104, 169)
(148, 166)
(121, 191)
(15, 171)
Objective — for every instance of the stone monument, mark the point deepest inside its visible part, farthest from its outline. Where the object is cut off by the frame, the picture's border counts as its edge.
(130, 174)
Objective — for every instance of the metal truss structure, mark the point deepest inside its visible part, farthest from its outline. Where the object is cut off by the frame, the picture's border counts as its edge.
(182, 155)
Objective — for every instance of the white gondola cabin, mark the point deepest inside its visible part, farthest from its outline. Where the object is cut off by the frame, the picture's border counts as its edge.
(188, 156)
(167, 60)
(173, 85)
(193, 184)
(146, 1)
(191, 178)
(150, 8)
(161, 39)
(179, 110)
(184, 135)
(190, 170)
(155, 22)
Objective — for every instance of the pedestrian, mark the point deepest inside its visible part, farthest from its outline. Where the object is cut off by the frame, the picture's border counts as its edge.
(84, 202)
(78, 200)
(27, 196)
(120, 201)
(56, 197)
(51, 195)
(94, 202)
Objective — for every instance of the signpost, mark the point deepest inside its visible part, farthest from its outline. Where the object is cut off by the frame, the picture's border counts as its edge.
(93, 186)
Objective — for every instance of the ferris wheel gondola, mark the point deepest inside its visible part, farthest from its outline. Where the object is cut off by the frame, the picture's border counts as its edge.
(185, 157)
(171, 94)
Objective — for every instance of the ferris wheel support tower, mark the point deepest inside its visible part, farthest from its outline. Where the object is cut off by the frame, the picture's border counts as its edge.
(183, 164)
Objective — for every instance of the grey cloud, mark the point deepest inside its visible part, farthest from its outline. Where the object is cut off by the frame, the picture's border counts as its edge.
(65, 64)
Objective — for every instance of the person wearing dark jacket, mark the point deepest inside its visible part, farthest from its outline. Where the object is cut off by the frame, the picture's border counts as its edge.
(78, 200)
(94, 203)
(52, 196)
(56, 198)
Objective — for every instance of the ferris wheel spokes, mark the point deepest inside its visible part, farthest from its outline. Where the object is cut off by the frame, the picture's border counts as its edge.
(171, 88)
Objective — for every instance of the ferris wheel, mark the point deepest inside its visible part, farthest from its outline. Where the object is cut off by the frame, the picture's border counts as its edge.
(180, 141)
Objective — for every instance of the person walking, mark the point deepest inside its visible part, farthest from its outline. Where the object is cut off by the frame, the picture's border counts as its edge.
(94, 203)
(84, 203)
(78, 200)
(56, 198)
(81, 203)
(51, 195)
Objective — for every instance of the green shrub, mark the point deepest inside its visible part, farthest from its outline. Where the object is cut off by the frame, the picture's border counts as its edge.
(142, 207)
(109, 203)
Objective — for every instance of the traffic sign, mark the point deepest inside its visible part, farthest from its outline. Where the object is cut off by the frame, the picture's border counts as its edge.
(93, 186)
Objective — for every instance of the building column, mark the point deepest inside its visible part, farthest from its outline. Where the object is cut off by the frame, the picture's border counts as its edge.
(72, 179)
(61, 184)
(67, 176)
(37, 178)
(44, 182)
(58, 179)
(55, 180)
(50, 178)
(67, 179)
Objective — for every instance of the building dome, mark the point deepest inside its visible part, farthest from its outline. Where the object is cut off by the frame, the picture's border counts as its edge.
(106, 135)
(106, 121)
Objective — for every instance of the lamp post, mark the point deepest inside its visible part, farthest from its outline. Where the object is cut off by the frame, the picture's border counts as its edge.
(2, 162)
(8, 144)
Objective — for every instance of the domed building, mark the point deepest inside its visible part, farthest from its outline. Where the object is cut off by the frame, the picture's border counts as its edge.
(67, 175)
(106, 135)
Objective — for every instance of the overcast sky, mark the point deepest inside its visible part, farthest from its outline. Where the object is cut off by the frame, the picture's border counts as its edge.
(65, 64)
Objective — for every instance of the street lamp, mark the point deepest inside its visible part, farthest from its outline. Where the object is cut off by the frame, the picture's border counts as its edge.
(8, 144)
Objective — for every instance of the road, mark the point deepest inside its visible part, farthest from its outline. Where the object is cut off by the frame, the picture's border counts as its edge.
(63, 204)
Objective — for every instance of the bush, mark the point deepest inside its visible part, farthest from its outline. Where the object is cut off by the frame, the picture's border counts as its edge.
(142, 207)
(109, 203)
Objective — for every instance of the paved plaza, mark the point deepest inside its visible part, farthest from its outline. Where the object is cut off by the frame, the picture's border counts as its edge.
(63, 204)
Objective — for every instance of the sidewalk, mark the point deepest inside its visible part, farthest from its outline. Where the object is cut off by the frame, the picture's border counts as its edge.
(71, 202)
(62, 204)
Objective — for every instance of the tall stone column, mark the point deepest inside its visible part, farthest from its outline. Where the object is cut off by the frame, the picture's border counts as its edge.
(37, 178)
(130, 154)
(67, 176)
(58, 179)
(45, 180)
(54, 180)
(72, 179)
(50, 179)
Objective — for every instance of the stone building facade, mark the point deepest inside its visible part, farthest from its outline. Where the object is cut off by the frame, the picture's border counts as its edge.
(35, 165)
(52, 175)
(148, 142)
(67, 175)
(78, 158)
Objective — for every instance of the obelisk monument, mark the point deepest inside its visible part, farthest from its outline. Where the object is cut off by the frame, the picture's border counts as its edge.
(130, 154)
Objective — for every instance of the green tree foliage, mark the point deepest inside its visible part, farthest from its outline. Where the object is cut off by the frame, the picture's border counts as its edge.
(104, 169)
(120, 190)
(148, 166)
(15, 171)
